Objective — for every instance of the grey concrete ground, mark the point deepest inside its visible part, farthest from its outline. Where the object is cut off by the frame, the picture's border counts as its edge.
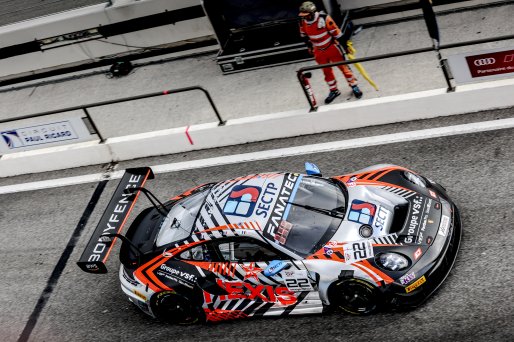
(473, 304)
(260, 91)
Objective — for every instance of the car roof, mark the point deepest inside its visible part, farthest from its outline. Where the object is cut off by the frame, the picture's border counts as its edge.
(246, 205)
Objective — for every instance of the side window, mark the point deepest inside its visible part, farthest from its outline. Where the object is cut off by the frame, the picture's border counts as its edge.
(246, 251)
(203, 252)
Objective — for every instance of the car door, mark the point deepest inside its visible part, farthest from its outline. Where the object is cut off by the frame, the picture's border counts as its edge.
(272, 292)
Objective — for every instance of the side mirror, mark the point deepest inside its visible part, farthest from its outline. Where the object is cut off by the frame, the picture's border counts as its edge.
(312, 169)
(275, 267)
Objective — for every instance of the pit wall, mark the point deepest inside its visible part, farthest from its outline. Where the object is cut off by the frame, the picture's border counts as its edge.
(355, 114)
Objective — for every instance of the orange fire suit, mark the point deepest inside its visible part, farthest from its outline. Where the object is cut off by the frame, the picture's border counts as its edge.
(323, 32)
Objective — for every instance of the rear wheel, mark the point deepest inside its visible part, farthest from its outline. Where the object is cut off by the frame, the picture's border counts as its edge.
(171, 307)
(356, 296)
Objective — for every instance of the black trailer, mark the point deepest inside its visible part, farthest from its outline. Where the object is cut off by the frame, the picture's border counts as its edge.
(257, 33)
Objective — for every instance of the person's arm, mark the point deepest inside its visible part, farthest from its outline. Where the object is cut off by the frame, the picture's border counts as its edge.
(306, 39)
(332, 28)
(335, 31)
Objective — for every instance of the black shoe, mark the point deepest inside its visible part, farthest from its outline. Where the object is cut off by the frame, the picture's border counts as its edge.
(332, 95)
(357, 92)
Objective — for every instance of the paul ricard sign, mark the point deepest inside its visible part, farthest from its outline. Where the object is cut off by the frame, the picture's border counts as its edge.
(43, 135)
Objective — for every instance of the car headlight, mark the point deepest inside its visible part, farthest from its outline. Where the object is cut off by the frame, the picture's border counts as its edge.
(414, 178)
(392, 261)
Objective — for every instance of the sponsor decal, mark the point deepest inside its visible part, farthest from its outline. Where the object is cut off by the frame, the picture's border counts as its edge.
(351, 182)
(380, 218)
(362, 212)
(113, 220)
(273, 267)
(358, 250)
(432, 193)
(38, 135)
(443, 227)
(283, 232)
(259, 292)
(279, 210)
(242, 200)
(297, 280)
(416, 212)
(251, 271)
(416, 284)
(129, 280)
(429, 240)
(140, 295)
(328, 250)
(407, 278)
(266, 200)
(176, 275)
(423, 226)
(418, 253)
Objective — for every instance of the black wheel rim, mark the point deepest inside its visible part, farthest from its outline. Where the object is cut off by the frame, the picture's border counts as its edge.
(176, 309)
(357, 298)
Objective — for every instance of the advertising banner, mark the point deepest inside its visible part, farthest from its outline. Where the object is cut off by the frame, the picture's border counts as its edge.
(25, 138)
(483, 65)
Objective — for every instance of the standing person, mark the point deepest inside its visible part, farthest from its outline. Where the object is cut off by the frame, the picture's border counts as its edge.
(321, 34)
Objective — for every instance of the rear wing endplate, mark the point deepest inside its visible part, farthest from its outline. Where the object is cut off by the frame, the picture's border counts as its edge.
(113, 219)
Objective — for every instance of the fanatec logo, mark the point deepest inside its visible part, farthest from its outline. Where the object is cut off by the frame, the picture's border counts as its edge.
(484, 61)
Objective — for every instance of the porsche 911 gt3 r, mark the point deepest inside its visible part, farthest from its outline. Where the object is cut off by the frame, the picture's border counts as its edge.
(278, 244)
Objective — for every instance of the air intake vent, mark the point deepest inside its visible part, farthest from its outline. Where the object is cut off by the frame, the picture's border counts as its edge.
(399, 218)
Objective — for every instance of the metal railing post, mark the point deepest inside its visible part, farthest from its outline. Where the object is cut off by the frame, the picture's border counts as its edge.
(307, 90)
(221, 122)
(92, 123)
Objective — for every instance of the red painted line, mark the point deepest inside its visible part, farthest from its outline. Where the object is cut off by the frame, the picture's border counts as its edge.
(188, 136)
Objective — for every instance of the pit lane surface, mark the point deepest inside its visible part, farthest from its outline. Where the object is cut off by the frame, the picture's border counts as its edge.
(473, 304)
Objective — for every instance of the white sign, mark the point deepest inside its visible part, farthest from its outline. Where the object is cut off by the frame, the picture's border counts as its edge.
(26, 138)
(482, 65)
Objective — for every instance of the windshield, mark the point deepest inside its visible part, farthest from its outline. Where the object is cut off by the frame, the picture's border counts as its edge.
(178, 224)
(305, 230)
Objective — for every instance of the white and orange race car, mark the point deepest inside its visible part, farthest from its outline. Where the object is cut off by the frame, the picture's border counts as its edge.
(278, 244)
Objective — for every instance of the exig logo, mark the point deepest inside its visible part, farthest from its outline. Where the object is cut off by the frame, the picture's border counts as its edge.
(484, 61)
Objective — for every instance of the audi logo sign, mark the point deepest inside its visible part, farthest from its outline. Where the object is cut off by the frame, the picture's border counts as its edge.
(484, 61)
(482, 65)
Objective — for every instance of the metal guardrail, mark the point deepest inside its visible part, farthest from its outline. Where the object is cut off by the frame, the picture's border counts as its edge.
(85, 107)
(302, 72)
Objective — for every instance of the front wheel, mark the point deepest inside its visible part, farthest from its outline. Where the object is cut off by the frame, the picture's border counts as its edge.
(171, 307)
(356, 296)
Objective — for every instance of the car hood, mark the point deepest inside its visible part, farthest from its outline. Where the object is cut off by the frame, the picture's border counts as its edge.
(412, 216)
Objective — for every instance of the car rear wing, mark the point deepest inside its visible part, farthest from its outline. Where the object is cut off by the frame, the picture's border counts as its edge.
(113, 219)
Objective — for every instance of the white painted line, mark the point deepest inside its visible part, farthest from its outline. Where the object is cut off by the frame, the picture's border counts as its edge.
(339, 145)
(277, 153)
(52, 183)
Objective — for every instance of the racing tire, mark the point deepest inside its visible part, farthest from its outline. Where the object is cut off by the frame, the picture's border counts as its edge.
(172, 307)
(355, 296)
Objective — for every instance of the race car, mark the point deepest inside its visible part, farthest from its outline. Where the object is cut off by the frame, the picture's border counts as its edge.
(279, 244)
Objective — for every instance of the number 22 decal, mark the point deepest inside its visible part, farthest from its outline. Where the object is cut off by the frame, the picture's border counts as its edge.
(359, 250)
(297, 280)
